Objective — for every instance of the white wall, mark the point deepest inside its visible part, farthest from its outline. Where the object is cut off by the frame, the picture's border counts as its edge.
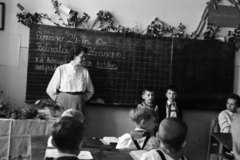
(106, 120)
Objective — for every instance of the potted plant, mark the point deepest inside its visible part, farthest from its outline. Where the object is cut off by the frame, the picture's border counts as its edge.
(50, 107)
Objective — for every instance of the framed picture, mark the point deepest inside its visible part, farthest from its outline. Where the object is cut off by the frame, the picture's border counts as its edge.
(2, 12)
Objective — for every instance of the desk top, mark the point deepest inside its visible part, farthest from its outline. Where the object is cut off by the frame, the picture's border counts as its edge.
(100, 151)
(224, 138)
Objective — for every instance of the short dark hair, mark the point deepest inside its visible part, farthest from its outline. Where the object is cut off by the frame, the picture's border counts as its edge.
(150, 89)
(235, 97)
(76, 51)
(67, 133)
(172, 88)
(142, 113)
(172, 132)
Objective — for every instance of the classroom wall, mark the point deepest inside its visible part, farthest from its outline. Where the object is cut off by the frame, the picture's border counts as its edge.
(106, 120)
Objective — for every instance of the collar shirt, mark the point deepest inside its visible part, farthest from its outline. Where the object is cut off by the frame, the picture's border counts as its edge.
(66, 78)
(152, 105)
(225, 119)
(126, 141)
(171, 109)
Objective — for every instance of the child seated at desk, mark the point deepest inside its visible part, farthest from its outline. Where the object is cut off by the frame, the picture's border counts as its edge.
(172, 135)
(67, 135)
(226, 116)
(145, 120)
(70, 113)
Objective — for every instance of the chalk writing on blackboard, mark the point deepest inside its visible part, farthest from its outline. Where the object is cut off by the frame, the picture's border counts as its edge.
(120, 65)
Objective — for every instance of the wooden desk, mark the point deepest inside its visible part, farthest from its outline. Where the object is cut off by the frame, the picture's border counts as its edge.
(100, 151)
(225, 147)
(225, 139)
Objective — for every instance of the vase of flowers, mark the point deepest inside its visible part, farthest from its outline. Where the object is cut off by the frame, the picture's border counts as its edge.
(49, 107)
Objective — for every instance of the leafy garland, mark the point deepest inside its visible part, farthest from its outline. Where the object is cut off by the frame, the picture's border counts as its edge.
(106, 22)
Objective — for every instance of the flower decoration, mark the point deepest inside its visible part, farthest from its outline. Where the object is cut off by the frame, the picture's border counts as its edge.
(181, 32)
(42, 103)
(103, 17)
(4, 102)
(22, 113)
(211, 32)
(28, 19)
(122, 29)
(80, 21)
(234, 36)
(156, 28)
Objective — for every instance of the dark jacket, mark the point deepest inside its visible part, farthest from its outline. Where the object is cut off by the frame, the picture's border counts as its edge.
(162, 111)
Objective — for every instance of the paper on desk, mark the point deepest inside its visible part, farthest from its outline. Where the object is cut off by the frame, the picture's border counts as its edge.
(82, 154)
(85, 155)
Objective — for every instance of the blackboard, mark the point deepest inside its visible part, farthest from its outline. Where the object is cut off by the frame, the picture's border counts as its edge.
(121, 65)
(204, 71)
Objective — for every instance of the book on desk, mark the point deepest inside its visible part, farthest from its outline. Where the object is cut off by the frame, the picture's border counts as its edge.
(109, 140)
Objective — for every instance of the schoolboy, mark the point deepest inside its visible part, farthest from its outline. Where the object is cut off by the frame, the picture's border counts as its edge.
(145, 120)
(235, 131)
(148, 99)
(226, 116)
(67, 135)
(70, 113)
(172, 135)
(170, 108)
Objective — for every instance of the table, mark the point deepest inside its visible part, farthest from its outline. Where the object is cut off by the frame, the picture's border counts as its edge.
(100, 151)
(225, 139)
(16, 137)
(225, 147)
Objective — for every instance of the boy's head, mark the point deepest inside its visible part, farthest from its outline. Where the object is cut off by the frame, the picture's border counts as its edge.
(74, 113)
(235, 131)
(233, 103)
(148, 95)
(171, 93)
(144, 117)
(172, 134)
(67, 135)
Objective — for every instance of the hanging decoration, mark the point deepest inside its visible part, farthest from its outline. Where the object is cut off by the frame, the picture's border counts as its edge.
(26, 18)
(104, 17)
(211, 32)
(156, 28)
(107, 23)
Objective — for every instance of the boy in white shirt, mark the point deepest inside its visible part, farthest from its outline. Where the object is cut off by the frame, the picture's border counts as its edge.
(172, 135)
(226, 116)
(145, 120)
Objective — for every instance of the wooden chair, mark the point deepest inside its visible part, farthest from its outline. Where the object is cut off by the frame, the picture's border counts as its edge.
(214, 145)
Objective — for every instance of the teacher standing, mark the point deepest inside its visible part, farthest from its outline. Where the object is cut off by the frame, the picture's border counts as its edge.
(71, 84)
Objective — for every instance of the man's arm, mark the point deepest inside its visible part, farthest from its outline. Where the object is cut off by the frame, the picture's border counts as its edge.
(54, 85)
